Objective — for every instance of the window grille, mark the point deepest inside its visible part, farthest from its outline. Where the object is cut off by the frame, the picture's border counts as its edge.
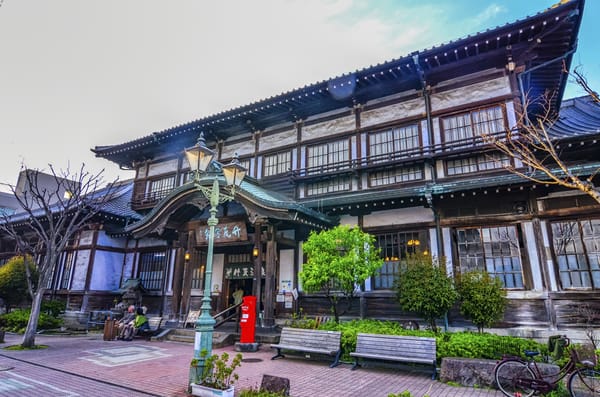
(67, 270)
(160, 188)
(395, 247)
(152, 269)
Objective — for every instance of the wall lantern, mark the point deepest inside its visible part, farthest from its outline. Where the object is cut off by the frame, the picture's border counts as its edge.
(255, 252)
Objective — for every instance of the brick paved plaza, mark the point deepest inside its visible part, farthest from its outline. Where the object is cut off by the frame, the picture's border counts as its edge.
(88, 366)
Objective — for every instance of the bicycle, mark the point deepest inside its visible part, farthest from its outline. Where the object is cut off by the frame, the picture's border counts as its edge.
(516, 377)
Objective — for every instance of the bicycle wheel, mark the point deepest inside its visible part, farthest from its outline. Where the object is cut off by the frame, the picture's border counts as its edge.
(584, 383)
(512, 378)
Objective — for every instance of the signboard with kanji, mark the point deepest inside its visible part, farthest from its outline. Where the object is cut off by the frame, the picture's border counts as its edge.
(241, 270)
(224, 232)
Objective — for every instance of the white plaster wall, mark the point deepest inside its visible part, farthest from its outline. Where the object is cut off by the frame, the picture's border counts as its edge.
(106, 274)
(347, 123)
(217, 276)
(549, 263)
(104, 239)
(241, 148)
(286, 271)
(152, 242)
(534, 259)
(400, 216)
(349, 220)
(170, 271)
(447, 244)
(280, 139)
(434, 245)
(478, 92)
(300, 263)
(163, 167)
(402, 110)
(86, 237)
(128, 266)
(81, 267)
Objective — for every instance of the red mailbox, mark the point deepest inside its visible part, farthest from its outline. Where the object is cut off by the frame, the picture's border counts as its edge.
(248, 319)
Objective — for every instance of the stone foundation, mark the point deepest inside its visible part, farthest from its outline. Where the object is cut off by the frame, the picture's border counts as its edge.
(475, 372)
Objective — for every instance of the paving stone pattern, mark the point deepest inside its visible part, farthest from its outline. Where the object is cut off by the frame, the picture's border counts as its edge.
(87, 366)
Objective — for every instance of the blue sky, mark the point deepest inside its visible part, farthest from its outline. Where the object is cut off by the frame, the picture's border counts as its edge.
(77, 74)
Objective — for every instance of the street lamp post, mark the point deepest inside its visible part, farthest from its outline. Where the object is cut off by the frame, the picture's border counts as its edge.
(200, 157)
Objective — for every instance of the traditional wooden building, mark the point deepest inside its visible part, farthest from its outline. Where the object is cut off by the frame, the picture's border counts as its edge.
(397, 149)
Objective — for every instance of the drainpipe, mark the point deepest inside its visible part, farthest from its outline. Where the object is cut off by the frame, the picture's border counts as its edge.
(428, 196)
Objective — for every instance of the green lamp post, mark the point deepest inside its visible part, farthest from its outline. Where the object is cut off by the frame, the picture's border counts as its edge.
(200, 156)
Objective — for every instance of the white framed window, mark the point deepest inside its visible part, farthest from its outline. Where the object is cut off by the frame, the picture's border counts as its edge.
(576, 246)
(483, 162)
(398, 141)
(492, 249)
(277, 163)
(395, 175)
(464, 127)
(328, 157)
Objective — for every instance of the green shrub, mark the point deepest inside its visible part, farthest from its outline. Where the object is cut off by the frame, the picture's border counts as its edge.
(482, 298)
(425, 288)
(259, 393)
(483, 345)
(449, 344)
(16, 321)
(53, 307)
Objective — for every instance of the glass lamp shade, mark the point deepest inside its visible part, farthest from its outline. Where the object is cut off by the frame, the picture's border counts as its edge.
(199, 156)
(234, 172)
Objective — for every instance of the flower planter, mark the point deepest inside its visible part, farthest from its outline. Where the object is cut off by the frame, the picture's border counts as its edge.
(205, 391)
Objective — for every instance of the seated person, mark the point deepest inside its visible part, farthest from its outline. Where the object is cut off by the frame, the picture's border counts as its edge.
(122, 323)
(139, 323)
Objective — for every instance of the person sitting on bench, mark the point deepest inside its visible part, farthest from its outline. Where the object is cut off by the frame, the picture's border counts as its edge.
(122, 323)
(139, 323)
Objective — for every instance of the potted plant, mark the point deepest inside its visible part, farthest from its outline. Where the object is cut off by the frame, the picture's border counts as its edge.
(217, 377)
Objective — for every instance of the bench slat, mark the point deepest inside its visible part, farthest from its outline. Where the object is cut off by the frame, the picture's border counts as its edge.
(309, 341)
(413, 349)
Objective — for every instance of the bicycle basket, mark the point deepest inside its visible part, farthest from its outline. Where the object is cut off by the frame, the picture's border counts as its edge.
(585, 352)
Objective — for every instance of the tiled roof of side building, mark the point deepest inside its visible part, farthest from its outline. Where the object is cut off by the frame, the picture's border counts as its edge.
(578, 117)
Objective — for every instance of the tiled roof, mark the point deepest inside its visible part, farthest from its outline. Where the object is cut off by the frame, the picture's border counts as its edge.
(578, 117)
(543, 42)
(119, 206)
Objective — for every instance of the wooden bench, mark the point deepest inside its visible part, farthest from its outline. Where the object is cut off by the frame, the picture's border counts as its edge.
(153, 327)
(409, 349)
(310, 341)
(320, 320)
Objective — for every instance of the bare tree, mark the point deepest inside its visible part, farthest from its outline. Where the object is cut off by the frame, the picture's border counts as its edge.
(50, 215)
(530, 143)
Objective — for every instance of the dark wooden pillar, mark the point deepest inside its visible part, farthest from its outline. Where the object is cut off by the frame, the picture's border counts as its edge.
(271, 268)
(187, 273)
(256, 286)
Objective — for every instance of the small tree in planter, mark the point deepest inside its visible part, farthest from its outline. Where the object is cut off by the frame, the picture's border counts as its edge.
(218, 375)
(482, 298)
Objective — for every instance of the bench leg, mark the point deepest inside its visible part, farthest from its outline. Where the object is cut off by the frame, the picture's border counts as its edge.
(336, 362)
(278, 354)
(355, 365)
(434, 371)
